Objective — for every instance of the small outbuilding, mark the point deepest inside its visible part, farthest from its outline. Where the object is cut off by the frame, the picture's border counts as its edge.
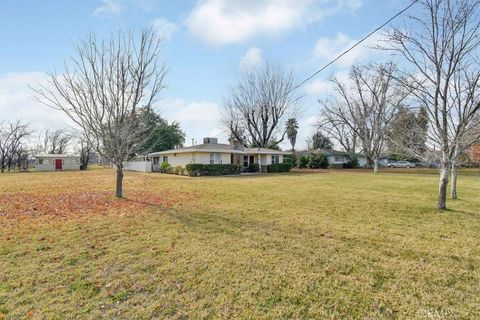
(57, 162)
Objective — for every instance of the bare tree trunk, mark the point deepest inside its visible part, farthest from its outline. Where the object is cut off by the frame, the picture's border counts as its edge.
(119, 190)
(453, 186)
(442, 186)
(375, 166)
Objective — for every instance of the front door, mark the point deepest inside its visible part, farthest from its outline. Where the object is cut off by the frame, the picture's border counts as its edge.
(58, 164)
(252, 160)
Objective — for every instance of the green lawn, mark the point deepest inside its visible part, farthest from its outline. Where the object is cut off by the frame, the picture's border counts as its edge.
(323, 245)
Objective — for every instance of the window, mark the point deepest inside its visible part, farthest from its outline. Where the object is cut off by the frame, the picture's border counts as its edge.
(275, 158)
(215, 158)
(40, 161)
(245, 161)
(155, 160)
(338, 159)
(165, 158)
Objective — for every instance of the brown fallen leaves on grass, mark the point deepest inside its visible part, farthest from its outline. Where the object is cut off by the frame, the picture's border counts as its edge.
(25, 205)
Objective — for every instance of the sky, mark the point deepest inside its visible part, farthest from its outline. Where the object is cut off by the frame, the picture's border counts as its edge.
(207, 45)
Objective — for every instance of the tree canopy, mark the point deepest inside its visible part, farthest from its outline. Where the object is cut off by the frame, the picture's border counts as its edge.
(162, 135)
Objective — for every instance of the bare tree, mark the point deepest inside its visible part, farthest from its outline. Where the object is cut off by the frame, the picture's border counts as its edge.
(12, 138)
(337, 128)
(442, 48)
(54, 141)
(85, 147)
(103, 90)
(257, 105)
(368, 103)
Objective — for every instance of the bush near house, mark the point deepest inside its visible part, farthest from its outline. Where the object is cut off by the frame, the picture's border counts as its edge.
(178, 170)
(302, 162)
(196, 169)
(279, 167)
(165, 167)
(352, 162)
(316, 161)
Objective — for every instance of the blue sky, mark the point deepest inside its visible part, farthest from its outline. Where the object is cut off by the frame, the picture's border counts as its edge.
(208, 44)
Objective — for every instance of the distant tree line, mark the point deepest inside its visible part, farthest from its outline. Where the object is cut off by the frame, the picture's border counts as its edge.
(13, 145)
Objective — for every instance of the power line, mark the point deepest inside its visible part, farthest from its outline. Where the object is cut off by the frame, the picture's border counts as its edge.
(354, 46)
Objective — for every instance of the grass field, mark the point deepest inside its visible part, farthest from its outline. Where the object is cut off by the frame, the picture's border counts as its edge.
(324, 245)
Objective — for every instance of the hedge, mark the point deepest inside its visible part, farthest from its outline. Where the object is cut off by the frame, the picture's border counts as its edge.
(197, 169)
(279, 167)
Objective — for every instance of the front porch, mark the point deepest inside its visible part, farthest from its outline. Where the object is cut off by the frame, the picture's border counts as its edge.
(247, 162)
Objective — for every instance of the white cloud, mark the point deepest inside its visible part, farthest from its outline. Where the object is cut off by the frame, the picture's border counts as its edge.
(108, 9)
(164, 28)
(197, 119)
(325, 87)
(318, 87)
(327, 49)
(17, 103)
(251, 59)
(225, 22)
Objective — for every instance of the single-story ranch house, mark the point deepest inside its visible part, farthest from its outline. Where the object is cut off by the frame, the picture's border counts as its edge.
(57, 162)
(339, 158)
(210, 152)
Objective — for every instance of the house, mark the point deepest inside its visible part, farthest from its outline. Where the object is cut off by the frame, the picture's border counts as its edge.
(57, 162)
(336, 158)
(339, 158)
(210, 152)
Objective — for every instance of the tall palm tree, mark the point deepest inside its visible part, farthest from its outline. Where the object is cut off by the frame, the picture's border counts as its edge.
(291, 128)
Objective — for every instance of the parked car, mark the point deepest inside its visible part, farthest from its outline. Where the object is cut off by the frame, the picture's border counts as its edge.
(401, 164)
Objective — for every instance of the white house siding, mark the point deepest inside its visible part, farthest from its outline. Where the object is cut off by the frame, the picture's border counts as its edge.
(204, 158)
(68, 164)
(184, 158)
(266, 159)
(142, 166)
(362, 162)
(336, 160)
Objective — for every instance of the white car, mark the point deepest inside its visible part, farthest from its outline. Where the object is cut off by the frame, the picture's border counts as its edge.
(401, 164)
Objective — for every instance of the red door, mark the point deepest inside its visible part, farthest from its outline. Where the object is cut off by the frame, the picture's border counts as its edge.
(58, 164)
